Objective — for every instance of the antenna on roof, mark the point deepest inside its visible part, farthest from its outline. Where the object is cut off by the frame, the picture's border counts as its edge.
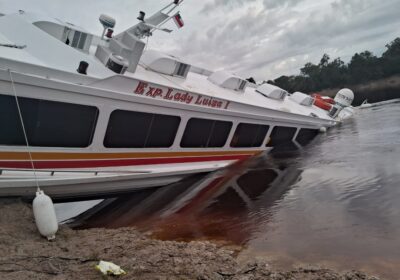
(148, 24)
(107, 22)
(141, 16)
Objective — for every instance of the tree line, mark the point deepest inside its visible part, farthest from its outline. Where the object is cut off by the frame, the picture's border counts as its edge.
(363, 67)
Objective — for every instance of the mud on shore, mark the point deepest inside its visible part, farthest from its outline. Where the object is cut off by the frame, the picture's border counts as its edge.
(24, 254)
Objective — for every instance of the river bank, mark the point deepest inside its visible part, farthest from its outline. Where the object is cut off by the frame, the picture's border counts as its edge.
(374, 91)
(74, 253)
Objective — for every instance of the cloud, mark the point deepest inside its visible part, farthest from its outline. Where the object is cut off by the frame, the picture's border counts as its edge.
(260, 38)
(225, 4)
(273, 4)
(267, 43)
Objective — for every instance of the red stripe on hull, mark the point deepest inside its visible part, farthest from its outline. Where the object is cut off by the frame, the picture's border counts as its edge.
(113, 163)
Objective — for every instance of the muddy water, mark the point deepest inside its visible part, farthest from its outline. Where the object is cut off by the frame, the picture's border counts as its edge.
(335, 202)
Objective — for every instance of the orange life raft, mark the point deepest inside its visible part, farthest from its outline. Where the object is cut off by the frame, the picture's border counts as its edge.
(323, 102)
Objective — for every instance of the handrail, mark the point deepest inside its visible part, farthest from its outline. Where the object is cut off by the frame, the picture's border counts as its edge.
(96, 172)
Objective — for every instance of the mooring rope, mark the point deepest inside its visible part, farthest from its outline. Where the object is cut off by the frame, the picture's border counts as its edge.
(24, 130)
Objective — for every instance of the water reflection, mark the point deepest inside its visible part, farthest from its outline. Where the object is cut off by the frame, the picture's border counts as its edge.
(228, 205)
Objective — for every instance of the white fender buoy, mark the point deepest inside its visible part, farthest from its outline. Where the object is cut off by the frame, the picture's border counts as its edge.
(45, 215)
(322, 129)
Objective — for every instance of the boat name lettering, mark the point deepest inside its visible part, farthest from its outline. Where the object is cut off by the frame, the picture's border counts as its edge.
(145, 89)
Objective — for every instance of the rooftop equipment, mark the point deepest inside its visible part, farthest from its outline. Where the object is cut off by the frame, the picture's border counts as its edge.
(165, 64)
(129, 45)
(118, 64)
(272, 91)
(107, 22)
(82, 68)
(302, 98)
(227, 80)
(343, 100)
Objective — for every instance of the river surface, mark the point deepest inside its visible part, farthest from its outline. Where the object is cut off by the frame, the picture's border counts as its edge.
(334, 202)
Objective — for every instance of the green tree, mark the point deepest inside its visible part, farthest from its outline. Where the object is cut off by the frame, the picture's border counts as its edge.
(391, 58)
(310, 70)
(364, 67)
(393, 49)
(334, 74)
(324, 60)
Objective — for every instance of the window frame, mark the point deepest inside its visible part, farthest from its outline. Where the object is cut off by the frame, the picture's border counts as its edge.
(148, 132)
(38, 106)
(279, 126)
(242, 85)
(181, 69)
(260, 126)
(209, 137)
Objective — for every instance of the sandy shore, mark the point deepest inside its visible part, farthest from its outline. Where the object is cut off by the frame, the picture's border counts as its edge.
(24, 254)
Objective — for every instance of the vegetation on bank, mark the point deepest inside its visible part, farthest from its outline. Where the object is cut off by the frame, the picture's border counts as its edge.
(363, 67)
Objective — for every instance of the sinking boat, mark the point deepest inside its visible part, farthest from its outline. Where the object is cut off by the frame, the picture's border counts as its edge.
(83, 114)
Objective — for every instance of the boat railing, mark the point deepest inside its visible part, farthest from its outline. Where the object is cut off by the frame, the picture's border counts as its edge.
(55, 172)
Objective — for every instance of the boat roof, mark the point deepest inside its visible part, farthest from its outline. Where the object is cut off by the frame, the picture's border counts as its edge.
(198, 83)
(40, 48)
(62, 57)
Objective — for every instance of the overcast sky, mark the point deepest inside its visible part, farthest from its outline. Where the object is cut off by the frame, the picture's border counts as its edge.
(260, 38)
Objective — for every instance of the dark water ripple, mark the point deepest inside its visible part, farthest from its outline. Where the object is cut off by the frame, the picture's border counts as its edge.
(335, 202)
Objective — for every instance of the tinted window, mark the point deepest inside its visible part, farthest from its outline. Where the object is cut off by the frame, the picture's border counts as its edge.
(128, 129)
(205, 133)
(249, 135)
(75, 40)
(281, 135)
(163, 131)
(10, 124)
(82, 41)
(306, 135)
(47, 123)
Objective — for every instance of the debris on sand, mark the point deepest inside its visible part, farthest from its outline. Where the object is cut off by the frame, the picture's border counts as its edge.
(24, 254)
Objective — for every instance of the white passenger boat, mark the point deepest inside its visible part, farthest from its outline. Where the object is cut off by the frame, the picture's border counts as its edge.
(84, 114)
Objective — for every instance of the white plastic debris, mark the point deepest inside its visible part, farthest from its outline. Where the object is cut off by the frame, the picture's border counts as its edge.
(108, 268)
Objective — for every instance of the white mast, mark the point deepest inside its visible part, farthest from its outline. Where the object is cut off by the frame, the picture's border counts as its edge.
(154, 22)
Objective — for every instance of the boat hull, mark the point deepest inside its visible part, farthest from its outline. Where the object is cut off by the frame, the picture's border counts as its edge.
(69, 184)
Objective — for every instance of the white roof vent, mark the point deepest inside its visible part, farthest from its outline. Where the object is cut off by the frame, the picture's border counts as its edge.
(165, 64)
(272, 91)
(227, 80)
(302, 99)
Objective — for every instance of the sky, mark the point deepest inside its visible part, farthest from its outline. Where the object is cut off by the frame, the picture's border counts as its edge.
(263, 39)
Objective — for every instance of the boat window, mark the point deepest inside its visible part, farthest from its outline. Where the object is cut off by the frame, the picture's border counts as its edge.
(182, 69)
(242, 85)
(127, 129)
(281, 135)
(306, 135)
(82, 41)
(79, 39)
(47, 123)
(203, 133)
(249, 135)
